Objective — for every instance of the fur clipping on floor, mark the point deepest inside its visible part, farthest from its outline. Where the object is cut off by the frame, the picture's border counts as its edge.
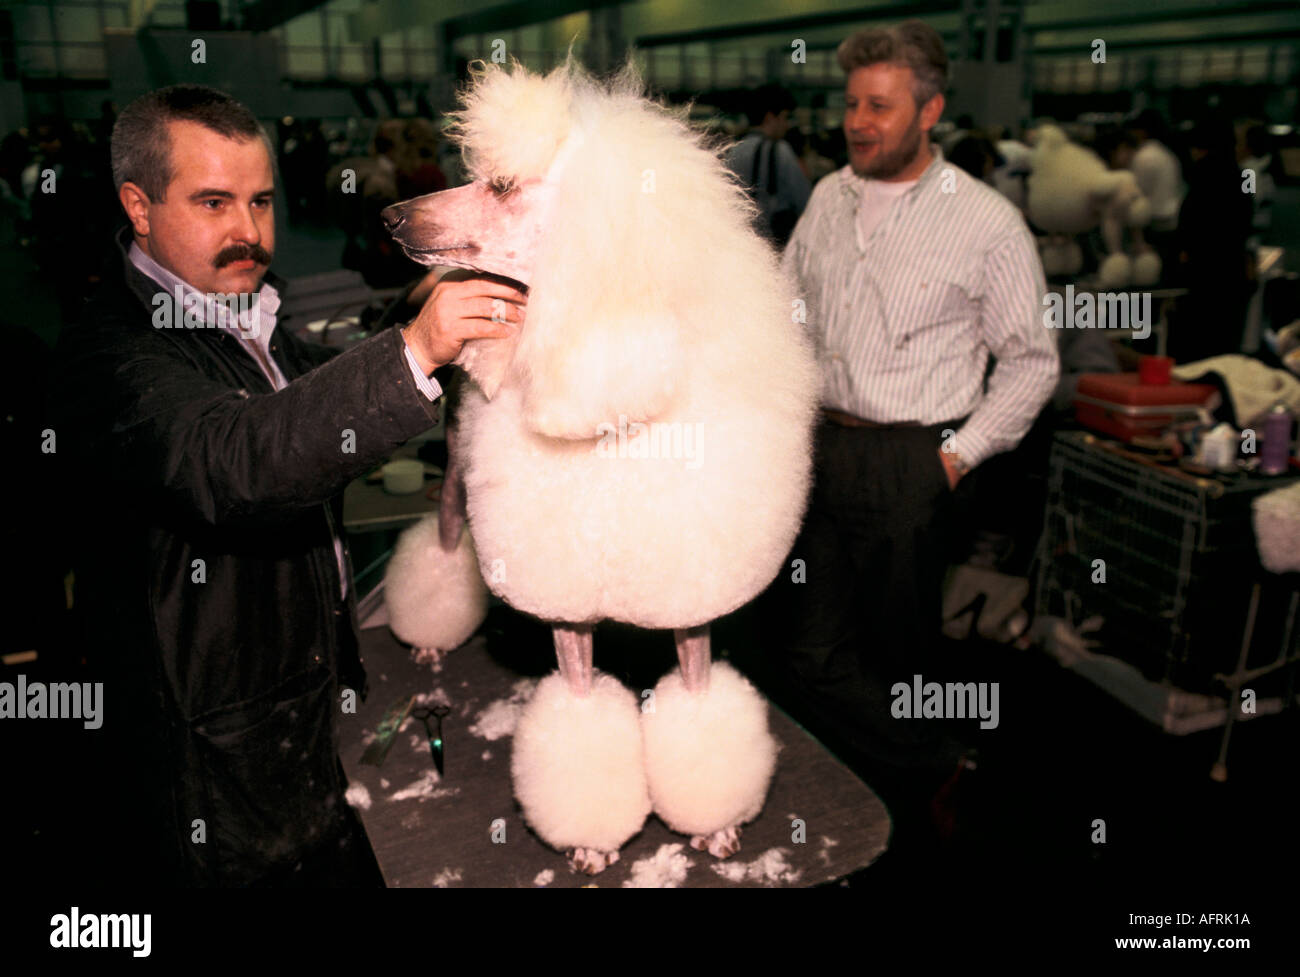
(577, 767)
(708, 758)
(435, 599)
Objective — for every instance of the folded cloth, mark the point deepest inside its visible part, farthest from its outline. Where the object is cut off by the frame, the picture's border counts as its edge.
(1251, 387)
(1277, 529)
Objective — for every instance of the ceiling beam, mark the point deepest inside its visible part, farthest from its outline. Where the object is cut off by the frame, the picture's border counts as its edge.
(459, 18)
(263, 15)
(794, 25)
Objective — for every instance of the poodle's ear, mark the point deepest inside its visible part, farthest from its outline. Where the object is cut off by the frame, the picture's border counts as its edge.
(609, 308)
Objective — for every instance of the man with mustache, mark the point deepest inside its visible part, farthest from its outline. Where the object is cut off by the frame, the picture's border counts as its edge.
(212, 579)
(914, 274)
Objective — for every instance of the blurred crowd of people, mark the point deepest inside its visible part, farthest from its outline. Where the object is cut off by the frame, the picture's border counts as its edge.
(1205, 225)
(1205, 229)
(56, 185)
(56, 192)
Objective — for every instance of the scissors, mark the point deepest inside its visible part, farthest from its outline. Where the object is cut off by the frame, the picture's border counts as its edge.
(434, 735)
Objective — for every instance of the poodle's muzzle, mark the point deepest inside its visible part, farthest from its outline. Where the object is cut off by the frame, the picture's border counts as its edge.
(479, 226)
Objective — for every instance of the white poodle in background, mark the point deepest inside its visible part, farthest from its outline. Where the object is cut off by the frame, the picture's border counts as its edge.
(640, 451)
(1071, 190)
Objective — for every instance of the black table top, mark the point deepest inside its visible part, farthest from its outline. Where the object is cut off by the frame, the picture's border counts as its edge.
(432, 831)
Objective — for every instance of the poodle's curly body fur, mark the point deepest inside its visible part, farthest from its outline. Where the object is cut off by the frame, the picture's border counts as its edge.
(651, 302)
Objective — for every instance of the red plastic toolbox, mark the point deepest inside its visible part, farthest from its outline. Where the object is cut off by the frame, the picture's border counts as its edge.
(1119, 405)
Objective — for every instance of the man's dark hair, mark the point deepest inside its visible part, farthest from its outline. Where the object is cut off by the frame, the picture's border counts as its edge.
(140, 148)
(912, 44)
(1150, 123)
(1213, 132)
(1110, 139)
(765, 99)
(971, 152)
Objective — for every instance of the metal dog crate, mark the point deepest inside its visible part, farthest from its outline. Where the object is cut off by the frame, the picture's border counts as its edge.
(1181, 592)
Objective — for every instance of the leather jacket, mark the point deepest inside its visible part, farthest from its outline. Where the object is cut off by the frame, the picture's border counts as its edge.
(205, 567)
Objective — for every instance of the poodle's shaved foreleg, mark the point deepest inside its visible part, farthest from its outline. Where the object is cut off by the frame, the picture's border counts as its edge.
(451, 501)
(573, 652)
(1112, 230)
(694, 657)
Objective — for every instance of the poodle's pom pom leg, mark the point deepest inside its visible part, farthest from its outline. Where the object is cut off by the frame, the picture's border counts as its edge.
(436, 599)
(709, 757)
(577, 769)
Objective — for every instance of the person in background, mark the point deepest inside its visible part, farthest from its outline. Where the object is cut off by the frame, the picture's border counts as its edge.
(767, 164)
(376, 182)
(977, 156)
(1259, 160)
(914, 275)
(15, 154)
(72, 213)
(1214, 224)
(1159, 176)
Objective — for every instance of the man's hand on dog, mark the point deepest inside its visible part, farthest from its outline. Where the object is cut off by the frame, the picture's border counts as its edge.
(459, 307)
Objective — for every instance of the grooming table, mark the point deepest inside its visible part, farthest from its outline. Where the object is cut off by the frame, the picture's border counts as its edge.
(431, 831)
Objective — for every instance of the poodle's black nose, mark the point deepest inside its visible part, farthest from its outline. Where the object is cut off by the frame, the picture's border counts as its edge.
(393, 218)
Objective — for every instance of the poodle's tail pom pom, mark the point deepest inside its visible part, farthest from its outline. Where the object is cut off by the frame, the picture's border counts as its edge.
(577, 765)
(435, 599)
(709, 756)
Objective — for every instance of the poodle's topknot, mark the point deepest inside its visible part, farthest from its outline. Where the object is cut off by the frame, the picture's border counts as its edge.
(512, 122)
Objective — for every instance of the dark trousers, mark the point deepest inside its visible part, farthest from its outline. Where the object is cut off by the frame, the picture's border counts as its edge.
(874, 546)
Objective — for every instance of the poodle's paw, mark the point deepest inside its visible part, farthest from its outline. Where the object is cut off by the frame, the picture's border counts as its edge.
(720, 844)
(590, 861)
(428, 656)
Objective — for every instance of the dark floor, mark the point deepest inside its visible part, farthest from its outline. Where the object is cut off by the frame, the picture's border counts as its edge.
(1065, 754)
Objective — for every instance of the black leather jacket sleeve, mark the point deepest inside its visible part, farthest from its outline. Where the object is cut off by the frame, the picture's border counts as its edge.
(224, 454)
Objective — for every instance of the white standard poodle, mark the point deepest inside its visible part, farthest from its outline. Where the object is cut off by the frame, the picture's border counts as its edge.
(1071, 190)
(640, 451)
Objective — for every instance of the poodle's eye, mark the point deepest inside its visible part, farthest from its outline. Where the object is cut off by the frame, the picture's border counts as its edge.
(502, 186)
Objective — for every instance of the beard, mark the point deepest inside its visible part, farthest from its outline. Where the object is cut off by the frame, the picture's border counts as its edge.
(890, 164)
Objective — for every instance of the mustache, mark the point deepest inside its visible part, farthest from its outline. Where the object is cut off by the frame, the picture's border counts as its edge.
(243, 252)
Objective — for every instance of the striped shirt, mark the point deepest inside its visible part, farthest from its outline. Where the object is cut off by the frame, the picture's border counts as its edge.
(905, 319)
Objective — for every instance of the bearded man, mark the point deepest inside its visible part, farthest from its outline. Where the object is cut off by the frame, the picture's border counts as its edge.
(914, 273)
